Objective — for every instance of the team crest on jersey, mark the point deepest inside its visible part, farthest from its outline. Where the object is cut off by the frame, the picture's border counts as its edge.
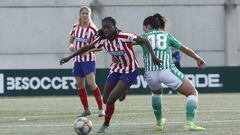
(83, 40)
(86, 33)
(117, 53)
(117, 45)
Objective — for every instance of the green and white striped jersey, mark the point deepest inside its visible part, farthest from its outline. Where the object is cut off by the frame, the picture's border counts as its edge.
(161, 43)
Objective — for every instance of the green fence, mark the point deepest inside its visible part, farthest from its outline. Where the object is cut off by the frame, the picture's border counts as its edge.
(60, 82)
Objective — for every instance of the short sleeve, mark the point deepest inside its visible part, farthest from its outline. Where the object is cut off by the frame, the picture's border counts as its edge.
(131, 37)
(174, 42)
(72, 32)
(99, 43)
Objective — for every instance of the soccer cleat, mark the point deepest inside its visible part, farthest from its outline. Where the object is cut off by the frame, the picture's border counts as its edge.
(85, 113)
(193, 127)
(101, 113)
(103, 129)
(161, 124)
(122, 97)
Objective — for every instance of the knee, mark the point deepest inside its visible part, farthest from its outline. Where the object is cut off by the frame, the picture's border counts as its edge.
(110, 101)
(104, 100)
(158, 91)
(92, 84)
(80, 85)
(193, 92)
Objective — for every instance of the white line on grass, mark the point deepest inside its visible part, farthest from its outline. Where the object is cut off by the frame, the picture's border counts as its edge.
(116, 124)
(125, 113)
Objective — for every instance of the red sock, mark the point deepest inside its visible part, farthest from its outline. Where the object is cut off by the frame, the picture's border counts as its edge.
(108, 113)
(83, 96)
(98, 97)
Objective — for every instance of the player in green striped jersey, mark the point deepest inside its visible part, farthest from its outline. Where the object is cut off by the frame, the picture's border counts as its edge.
(162, 41)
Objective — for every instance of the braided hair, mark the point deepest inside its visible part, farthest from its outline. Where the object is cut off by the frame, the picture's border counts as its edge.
(111, 20)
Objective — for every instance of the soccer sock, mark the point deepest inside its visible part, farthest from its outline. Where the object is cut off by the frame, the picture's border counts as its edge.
(157, 106)
(108, 113)
(191, 107)
(98, 97)
(83, 96)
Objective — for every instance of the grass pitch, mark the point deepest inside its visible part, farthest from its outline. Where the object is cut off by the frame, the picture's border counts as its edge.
(218, 113)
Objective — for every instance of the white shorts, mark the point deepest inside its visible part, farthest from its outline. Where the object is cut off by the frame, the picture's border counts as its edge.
(171, 78)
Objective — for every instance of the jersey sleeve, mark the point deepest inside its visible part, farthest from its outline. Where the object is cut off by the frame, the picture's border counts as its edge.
(143, 46)
(174, 42)
(131, 38)
(99, 44)
(72, 32)
(94, 30)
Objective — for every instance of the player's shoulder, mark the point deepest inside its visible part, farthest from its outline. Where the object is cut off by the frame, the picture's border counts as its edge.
(93, 27)
(125, 34)
(75, 25)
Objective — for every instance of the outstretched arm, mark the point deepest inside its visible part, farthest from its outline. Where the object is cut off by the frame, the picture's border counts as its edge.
(149, 47)
(79, 52)
(200, 62)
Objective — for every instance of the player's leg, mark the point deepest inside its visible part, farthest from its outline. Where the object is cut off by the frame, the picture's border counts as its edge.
(96, 92)
(156, 89)
(120, 88)
(116, 92)
(111, 82)
(123, 96)
(112, 95)
(107, 90)
(176, 80)
(191, 93)
(89, 69)
(82, 92)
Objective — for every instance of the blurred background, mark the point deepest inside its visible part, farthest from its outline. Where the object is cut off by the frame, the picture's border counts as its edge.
(34, 34)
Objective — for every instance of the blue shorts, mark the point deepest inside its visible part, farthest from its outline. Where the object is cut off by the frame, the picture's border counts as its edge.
(83, 68)
(129, 78)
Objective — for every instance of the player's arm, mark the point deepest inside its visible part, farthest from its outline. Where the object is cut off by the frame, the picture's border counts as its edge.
(71, 45)
(92, 50)
(79, 52)
(200, 62)
(96, 50)
(176, 44)
(149, 47)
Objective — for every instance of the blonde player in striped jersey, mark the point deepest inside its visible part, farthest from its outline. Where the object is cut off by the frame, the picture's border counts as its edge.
(161, 41)
(83, 33)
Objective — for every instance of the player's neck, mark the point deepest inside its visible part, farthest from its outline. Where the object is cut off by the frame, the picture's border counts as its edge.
(84, 23)
(111, 39)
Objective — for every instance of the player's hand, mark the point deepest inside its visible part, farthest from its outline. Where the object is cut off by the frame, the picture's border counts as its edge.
(64, 60)
(157, 61)
(114, 60)
(72, 48)
(201, 63)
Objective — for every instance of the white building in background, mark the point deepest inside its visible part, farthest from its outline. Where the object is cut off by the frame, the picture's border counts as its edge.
(34, 34)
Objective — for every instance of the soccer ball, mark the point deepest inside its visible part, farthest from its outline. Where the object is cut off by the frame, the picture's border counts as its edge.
(82, 126)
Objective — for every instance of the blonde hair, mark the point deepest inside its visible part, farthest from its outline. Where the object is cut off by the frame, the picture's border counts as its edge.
(90, 12)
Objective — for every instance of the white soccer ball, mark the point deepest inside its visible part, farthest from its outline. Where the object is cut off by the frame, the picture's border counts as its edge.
(82, 126)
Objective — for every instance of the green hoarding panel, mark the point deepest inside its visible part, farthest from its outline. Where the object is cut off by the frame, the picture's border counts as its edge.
(60, 82)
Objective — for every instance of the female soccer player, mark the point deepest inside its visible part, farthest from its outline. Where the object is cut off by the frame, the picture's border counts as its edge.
(161, 41)
(83, 33)
(125, 69)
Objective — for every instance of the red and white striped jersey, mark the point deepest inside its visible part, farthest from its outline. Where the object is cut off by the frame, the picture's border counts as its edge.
(121, 49)
(84, 36)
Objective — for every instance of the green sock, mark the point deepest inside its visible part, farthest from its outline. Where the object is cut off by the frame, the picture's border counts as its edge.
(191, 107)
(157, 106)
